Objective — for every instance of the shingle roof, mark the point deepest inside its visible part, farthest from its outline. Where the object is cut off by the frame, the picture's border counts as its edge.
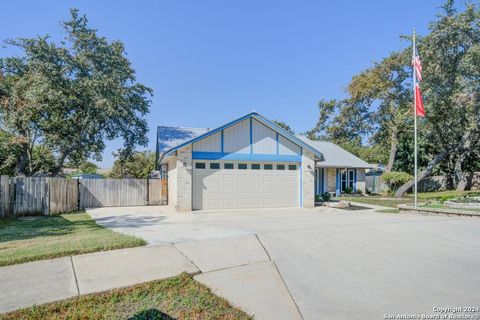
(335, 156)
(170, 137)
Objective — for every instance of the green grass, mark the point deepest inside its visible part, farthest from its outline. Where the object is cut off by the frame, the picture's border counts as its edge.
(439, 194)
(422, 197)
(180, 297)
(442, 206)
(54, 236)
(378, 201)
(393, 210)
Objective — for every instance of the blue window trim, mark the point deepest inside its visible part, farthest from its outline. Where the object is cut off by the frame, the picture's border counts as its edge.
(260, 119)
(202, 155)
(354, 180)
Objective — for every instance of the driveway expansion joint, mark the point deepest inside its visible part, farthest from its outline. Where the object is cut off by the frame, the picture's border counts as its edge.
(75, 275)
(188, 259)
(263, 246)
(280, 275)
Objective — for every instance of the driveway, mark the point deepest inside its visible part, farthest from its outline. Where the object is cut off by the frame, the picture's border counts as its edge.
(335, 264)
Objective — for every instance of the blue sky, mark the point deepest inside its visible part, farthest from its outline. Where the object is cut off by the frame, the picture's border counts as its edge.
(209, 62)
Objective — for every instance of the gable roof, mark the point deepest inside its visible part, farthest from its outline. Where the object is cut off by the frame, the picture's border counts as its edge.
(335, 156)
(257, 117)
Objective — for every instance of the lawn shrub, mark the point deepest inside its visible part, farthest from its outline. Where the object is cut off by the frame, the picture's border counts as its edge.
(395, 179)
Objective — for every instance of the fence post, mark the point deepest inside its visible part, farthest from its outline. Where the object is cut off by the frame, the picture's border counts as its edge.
(4, 196)
(11, 196)
(78, 194)
(46, 197)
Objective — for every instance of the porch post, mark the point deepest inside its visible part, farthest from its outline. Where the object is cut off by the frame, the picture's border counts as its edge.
(337, 183)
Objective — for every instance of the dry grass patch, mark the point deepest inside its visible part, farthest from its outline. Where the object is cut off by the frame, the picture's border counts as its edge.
(176, 298)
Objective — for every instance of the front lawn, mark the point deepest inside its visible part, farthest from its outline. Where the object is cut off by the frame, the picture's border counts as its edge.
(379, 201)
(36, 238)
(440, 195)
(175, 298)
(393, 202)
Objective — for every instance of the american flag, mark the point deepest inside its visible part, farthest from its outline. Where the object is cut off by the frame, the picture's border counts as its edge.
(417, 74)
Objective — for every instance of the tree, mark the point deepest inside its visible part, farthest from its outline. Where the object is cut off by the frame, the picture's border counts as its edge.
(284, 126)
(139, 165)
(388, 85)
(88, 167)
(379, 106)
(71, 97)
(451, 63)
(346, 123)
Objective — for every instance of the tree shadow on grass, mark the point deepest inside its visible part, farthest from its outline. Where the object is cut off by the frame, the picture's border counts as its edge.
(151, 314)
(14, 229)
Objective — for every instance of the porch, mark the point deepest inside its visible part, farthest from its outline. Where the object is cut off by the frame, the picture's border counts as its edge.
(337, 180)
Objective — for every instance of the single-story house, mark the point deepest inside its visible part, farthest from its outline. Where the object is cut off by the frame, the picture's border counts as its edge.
(251, 162)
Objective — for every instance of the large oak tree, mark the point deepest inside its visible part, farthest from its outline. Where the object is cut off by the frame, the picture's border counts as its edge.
(70, 97)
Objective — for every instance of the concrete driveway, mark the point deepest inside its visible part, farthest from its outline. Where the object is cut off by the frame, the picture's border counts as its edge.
(333, 264)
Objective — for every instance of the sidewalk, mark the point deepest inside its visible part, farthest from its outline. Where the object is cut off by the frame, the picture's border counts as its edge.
(236, 268)
(27, 284)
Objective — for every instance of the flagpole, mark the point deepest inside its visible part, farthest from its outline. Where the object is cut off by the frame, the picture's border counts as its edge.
(415, 122)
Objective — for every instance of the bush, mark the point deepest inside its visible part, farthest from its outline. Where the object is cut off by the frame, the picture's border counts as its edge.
(324, 197)
(348, 190)
(395, 179)
(447, 197)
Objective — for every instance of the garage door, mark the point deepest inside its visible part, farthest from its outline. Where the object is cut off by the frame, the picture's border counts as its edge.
(221, 185)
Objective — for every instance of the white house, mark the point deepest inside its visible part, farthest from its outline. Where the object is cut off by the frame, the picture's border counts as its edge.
(252, 163)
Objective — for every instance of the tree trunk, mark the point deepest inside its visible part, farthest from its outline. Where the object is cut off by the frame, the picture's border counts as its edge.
(22, 163)
(60, 161)
(393, 149)
(460, 176)
(428, 170)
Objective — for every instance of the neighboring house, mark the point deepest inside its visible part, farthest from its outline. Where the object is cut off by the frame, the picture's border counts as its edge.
(252, 163)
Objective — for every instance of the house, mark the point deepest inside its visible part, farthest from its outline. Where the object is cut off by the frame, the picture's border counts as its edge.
(252, 163)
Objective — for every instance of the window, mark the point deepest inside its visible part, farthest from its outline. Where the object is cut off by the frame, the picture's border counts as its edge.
(280, 167)
(255, 166)
(292, 167)
(268, 166)
(228, 166)
(343, 180)
(351, 178)
(199, 165)
(214, 165)
(242, 166)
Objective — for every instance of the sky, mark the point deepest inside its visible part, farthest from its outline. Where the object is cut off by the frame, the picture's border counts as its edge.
(209, 62)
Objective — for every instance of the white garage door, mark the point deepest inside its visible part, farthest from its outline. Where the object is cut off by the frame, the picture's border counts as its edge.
(221, 185)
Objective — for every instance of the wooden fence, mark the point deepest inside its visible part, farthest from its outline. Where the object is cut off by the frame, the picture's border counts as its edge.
(20, 196)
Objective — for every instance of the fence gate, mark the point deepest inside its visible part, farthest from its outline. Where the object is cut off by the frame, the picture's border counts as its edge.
(63, 195)
(112, 192)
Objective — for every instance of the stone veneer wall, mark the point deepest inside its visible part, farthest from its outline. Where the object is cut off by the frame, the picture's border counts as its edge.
(184, 179)
(331, 179)
(172, 181)
(308, 179)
